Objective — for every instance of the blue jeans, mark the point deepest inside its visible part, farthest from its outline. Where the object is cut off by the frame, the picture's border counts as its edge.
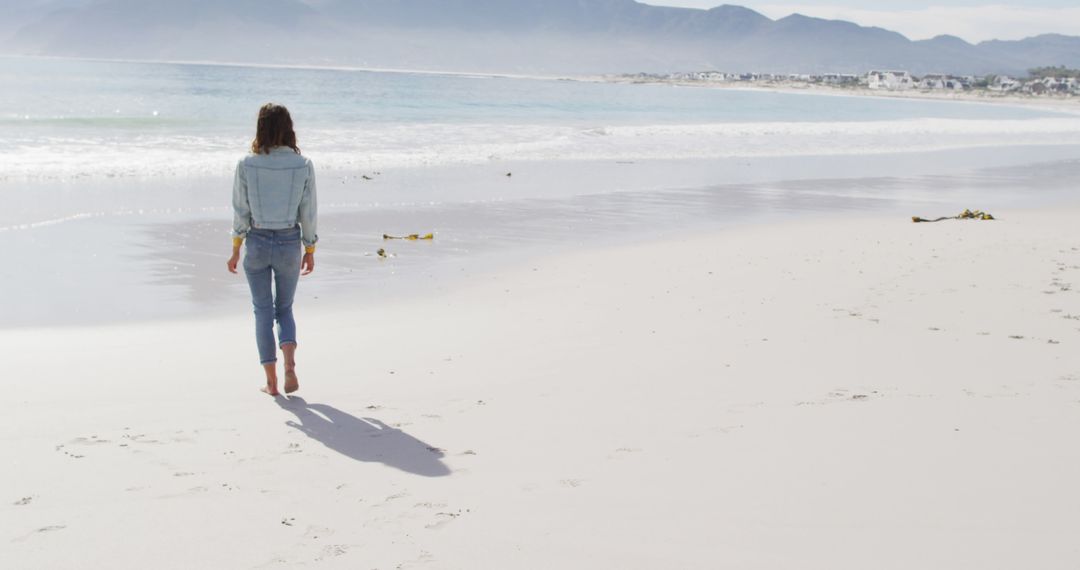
(273, 258)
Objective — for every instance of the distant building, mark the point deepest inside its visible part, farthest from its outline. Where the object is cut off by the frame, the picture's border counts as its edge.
(890, 80)
(1003, 83)
(840, 79)
(706, 76)
(939, 82)
(1052, 86)
(1062, 86)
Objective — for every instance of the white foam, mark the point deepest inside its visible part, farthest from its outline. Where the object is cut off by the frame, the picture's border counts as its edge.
(388, 146)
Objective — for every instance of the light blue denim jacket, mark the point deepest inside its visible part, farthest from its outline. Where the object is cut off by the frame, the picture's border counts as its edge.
(275, 191)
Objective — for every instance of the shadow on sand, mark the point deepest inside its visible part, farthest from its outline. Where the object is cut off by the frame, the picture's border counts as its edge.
(364, 439)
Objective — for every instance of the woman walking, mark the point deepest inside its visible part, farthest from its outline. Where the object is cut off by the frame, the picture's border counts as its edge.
(274, 209)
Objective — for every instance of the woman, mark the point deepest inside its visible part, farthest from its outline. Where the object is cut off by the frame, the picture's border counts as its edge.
(274, 209)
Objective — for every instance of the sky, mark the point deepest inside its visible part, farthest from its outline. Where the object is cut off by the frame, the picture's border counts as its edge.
(972, 20)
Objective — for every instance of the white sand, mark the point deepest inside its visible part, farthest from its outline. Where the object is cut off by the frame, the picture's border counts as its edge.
(811, 395)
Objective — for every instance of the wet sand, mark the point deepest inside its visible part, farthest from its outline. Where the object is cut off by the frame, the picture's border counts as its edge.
(74, 260)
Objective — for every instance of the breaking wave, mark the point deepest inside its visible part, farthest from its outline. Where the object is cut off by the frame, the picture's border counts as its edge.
(78, 155)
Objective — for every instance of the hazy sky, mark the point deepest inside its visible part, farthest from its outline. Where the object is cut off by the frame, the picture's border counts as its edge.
(972, 20)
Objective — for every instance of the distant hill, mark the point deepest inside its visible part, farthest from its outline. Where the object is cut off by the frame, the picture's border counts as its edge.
(524, 36)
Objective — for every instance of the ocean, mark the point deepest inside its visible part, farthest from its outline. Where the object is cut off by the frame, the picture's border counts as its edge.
(64, 119)
(120, 172)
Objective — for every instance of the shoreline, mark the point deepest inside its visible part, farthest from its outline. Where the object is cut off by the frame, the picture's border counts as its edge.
(164, 262)
(863, 382)
(1049, 103)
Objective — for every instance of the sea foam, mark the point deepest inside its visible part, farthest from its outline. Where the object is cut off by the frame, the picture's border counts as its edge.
(83, 155)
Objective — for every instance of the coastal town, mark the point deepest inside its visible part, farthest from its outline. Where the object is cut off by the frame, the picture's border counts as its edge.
(1057, 82)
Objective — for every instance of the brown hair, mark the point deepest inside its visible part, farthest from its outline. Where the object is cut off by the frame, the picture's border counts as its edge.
(275, 128)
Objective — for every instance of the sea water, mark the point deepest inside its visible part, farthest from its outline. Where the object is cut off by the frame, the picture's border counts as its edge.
(64, 119)
(119, 173)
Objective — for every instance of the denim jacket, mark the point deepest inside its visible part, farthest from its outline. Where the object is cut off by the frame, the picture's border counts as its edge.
(275, 191)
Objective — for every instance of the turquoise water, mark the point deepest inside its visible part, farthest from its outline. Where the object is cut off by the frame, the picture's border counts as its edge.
(52, 92)
(69, 119)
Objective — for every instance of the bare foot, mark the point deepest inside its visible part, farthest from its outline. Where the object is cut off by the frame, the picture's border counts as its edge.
(271, 378)
(292, 384)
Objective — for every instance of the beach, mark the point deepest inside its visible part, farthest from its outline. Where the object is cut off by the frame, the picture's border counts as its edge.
(1060, 102)
(654, 327)
(820, 394)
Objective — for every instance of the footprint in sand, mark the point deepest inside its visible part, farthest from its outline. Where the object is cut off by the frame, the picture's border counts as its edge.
(395, 497)
(92, 440)
(423, 559)
(73, 455)
(332, 551)
(181, 495)
(141, 438)
(443, 520)
(315, 532)
(42, 530)
(843, 395)
(81, 441)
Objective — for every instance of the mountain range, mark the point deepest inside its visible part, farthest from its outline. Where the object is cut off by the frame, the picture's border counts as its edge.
(510, 36)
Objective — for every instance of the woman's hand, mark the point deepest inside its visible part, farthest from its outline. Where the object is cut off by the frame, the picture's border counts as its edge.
(233, 261)
(307, 265)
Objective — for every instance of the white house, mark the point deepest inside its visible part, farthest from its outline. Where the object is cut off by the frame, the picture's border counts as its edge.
(839, 79)
(890, 80)
(1003, 83)
(935, 81)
